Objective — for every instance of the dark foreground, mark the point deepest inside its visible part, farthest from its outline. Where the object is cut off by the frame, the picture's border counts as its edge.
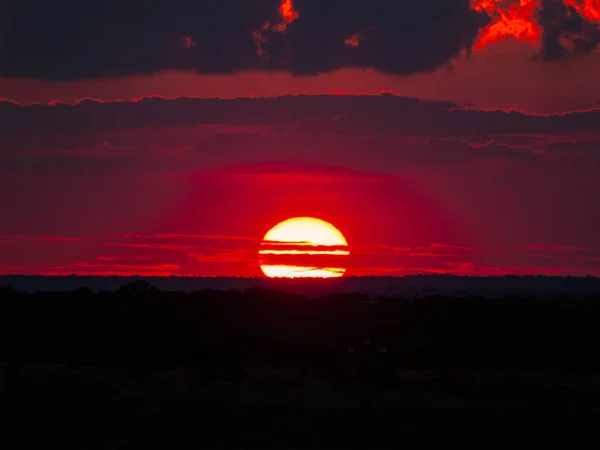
(94, 408)
(146, 369)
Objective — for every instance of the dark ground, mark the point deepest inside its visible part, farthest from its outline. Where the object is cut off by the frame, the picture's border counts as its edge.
(262, 369)
(84, 409)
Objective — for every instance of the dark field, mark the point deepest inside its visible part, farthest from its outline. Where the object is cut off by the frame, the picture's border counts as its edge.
(140, 368)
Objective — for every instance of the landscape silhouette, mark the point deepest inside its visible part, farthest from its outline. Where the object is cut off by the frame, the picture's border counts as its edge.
(145, 365)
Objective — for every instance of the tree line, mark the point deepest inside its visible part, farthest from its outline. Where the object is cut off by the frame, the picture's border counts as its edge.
(141, 327)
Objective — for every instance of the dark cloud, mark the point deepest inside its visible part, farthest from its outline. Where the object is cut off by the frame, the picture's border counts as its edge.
(105, 156)
(71, 39)
(582, 147)
(47, 125)
(566, 32)
(441, 153)
(192, 134)
(554, 248)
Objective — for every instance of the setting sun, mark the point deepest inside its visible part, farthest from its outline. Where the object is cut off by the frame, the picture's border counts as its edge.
(303, 247)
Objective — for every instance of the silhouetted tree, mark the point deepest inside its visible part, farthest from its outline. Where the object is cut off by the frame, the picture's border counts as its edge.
(137, 287)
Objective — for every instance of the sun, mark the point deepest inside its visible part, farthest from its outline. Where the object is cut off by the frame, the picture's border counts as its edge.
(303, 247)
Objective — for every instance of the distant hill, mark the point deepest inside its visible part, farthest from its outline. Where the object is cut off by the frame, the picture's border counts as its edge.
(410, 286)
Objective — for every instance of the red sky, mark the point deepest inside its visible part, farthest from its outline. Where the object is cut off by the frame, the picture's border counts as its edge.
(448, 181)
(499, 76)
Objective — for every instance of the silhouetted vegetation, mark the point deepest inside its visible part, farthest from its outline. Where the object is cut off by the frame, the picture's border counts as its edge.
(139, 326)
(140, 359)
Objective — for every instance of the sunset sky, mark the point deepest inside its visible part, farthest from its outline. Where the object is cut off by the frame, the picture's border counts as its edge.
(168, 137)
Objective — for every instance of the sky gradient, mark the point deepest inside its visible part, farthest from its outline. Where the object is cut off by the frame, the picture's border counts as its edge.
(448, 137)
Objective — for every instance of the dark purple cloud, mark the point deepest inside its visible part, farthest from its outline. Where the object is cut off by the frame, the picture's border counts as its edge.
(197, 134)
(566, 32)
(72, 39)
(325, 114)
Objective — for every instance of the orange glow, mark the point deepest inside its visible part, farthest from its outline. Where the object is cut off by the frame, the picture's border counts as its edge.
(288, 15)
(259, 39)
(287, 11)
(485, 5)
(516, 20)
(312, 238)
(353, 41)
(188, 42)
(590, 9)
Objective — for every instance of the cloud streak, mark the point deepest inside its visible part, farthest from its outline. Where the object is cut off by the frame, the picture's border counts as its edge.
(323, 114)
